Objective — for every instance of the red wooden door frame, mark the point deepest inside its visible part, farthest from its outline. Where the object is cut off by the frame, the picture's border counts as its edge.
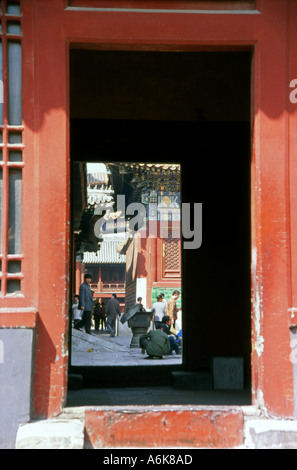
(50, 30)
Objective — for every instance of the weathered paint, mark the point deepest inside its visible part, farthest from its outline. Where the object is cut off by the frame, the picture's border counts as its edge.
(14, 318)
(207, 427)
(48, 29)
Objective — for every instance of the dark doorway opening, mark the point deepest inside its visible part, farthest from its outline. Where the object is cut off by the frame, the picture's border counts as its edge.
(194, 109)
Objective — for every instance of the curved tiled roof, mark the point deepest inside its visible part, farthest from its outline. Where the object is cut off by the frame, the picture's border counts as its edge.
(106, 255)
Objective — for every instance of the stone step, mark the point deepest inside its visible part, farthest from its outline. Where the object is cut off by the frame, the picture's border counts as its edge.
(51, 434)
(271, 434)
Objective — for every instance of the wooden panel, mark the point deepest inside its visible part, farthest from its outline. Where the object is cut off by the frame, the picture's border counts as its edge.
(166, 4)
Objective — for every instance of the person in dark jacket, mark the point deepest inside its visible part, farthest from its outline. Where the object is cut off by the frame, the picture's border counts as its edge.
(99, 315)
(174, 339)
(86, 304)
(156, 343)
(113, 309)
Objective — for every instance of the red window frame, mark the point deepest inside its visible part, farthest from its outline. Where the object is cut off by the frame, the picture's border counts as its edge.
(6, 165)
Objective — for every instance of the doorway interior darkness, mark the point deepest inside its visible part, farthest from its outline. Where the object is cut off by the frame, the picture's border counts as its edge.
(192, 108)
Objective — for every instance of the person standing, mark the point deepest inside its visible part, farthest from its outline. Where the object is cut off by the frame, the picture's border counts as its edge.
(171, 309)
(141, 307)
(159, 310)
(97, 314)
(76, 312)
(113, 309)
(103, 317)
(86, 304)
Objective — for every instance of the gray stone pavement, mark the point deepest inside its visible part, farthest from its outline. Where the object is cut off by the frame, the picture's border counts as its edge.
(156, 396)
(102, 350)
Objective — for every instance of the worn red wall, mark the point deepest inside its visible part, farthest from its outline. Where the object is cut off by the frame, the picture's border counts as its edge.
(151, 258)
(46, 60)
(139, 427)
(272, 235)
(49, 30)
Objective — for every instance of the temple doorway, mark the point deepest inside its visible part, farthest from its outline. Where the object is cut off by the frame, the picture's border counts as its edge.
(192, 110)
(127, 240)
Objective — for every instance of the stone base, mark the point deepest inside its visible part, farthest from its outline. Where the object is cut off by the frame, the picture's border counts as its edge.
(271, 434)
(137, 332)
(51, 434)
(17, 347)
(69, 430)
(228, 373)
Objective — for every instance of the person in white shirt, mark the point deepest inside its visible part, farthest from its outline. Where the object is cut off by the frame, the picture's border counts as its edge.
(159, 309)
(76, 312)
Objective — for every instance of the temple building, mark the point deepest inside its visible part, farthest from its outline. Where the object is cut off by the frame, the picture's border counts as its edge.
(132, 263)
(98, 257)
(154, 253)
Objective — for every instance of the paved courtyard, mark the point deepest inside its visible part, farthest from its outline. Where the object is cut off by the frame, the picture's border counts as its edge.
(102, 350)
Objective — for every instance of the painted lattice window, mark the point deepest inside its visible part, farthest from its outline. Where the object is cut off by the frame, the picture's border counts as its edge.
(171, 258)
(11, 148)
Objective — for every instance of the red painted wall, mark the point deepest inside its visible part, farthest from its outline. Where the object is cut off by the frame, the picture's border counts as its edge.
(49, 30)
(151, 258)
(200, 427)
